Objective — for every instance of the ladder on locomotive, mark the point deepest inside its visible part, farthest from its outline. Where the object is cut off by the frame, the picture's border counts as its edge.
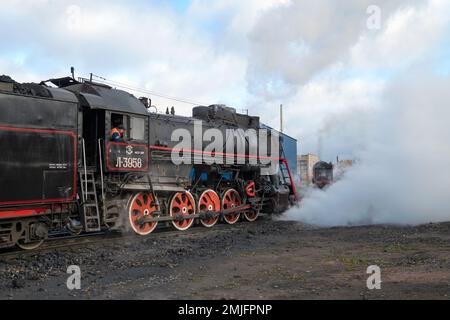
(91, 212)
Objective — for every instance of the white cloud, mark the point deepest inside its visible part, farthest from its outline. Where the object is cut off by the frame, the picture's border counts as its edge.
(409, 35)
(149, 46)
(244, 14)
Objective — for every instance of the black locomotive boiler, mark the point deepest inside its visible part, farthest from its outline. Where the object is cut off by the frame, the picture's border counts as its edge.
(62, 170)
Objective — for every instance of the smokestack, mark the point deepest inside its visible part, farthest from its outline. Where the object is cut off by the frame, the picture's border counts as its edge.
(281, 118)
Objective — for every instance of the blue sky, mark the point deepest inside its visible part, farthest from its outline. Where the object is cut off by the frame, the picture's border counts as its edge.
(179, 5)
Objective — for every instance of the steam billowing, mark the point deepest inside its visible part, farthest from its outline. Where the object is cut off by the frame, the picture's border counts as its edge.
(380, 97)
(403, 176)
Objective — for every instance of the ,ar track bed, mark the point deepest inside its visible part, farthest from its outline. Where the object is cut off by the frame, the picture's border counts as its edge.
(261, 260)
(64, 241)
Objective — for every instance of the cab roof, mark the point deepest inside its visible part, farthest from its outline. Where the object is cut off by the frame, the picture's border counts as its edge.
(100, 96)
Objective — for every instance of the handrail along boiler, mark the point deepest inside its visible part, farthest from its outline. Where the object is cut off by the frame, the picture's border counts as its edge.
(60, 170)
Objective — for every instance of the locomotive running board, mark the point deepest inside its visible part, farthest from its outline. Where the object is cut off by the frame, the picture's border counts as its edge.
(208, 215)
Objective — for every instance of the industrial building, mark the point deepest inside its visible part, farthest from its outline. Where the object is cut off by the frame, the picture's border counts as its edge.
(305, 165)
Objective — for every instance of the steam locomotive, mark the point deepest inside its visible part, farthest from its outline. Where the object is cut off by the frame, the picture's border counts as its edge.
(62, 171)
(322, 174)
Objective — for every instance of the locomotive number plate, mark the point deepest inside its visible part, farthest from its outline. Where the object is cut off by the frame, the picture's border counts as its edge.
(129, 163)
(127, 157)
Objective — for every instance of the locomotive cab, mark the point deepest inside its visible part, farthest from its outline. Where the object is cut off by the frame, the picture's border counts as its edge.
(128, 151)
(104, 110)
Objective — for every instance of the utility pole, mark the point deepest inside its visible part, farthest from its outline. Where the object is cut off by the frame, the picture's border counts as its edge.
(281, 118)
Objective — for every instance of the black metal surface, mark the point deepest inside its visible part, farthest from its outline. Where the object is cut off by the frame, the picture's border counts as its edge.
(225, 115)
(38, 149)
(100, 97)
(34, 112)
(63, 82)
(36, 166)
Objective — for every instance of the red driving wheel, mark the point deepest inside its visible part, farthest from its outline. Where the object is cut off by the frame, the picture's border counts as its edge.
(141, 206)
(182, 204)
(209, 201)
(230, 200)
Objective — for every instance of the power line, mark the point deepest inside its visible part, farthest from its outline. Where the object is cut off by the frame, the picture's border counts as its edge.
(153, 93)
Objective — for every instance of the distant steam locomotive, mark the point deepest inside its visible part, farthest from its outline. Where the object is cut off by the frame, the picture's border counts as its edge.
(322, 174)
(84, 157)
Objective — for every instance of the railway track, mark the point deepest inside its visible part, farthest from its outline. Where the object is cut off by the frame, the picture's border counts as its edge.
(58, 242)
(64, 242)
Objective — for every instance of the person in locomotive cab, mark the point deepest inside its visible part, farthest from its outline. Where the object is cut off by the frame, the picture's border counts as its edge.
(117, 131)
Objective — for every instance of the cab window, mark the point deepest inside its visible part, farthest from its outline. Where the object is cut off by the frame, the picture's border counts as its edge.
(117, 120)
(119, 123)
(127, 128)
(137, 128)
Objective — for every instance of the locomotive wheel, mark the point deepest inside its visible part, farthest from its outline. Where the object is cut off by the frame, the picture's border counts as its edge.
(29, 246)
(112, 216)
(251, 216)
(182, 203)
(209, 201)
(141, 206)
(231, 199)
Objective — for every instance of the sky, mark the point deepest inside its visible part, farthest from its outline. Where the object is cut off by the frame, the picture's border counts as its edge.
(330, 63)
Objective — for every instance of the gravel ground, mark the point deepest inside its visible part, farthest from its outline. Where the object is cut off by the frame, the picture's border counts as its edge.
(262, 260)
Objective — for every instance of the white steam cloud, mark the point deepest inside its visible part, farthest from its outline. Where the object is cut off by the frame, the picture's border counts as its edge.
(378, 96)
(403, 176)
